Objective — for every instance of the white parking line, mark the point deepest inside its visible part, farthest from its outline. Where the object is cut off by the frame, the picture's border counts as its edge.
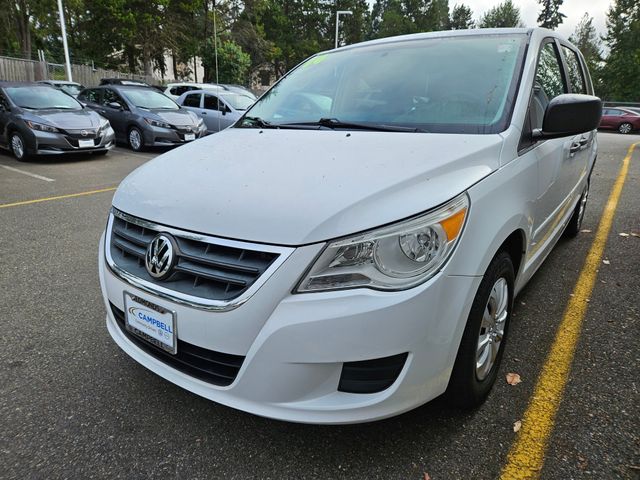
(39, 177)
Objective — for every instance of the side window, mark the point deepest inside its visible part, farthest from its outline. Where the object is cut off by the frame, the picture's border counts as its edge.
(4, 104)
(576, 79)
(92, 95)
(548, 83)
(211, 102)
(615, 112)
(192, 100)
(110, 96)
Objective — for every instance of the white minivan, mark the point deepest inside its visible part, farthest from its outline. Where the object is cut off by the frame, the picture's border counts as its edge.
(350, 249)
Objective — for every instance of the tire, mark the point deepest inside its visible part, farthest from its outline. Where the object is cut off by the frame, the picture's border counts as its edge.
(18, 147)
(625, 128)
(488, 322)
(573, 227)
(135, 139)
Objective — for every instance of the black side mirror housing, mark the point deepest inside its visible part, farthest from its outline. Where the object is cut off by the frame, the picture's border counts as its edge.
(115, 106)
(570, 114)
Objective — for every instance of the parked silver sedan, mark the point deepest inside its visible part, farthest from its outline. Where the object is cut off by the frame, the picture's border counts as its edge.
(219, 109)
(37, 119)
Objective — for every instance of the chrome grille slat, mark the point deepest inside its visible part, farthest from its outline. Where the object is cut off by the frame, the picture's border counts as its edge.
(190, 268)
(217, 273)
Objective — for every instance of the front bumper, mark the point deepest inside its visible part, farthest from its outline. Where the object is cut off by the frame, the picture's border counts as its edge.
(163, 137)
(295, 345)
(45, 143)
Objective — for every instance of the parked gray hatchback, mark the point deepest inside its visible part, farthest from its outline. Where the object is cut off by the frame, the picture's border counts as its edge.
(37, 119)
(143, 117)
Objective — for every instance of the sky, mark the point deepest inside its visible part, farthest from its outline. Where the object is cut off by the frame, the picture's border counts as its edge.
(529, 10)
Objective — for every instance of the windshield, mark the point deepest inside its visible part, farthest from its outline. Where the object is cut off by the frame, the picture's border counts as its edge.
(148, 98)
(71, 88)
(42, 98)
(238, 102)
(462, 84)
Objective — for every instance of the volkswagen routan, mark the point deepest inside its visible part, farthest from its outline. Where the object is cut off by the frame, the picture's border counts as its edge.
(351, 247)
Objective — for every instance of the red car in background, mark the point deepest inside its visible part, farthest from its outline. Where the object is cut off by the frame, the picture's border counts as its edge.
(622, 119)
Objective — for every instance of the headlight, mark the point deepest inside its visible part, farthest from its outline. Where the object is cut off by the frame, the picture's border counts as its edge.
(156, 123)
(41, 126)
(104, 124)
(395, 257)
(199, 122)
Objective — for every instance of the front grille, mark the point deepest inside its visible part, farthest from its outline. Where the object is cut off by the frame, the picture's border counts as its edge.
(213, 367)
(77, 134)
(203, 269)
(371, 376)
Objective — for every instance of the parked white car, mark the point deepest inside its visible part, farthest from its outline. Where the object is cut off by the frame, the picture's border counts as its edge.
(218, 110)
(174, 90)
(351, 248)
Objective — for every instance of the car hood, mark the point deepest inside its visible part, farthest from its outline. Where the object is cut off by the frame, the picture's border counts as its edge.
(294, 187)
(65, 119)
(175, 117)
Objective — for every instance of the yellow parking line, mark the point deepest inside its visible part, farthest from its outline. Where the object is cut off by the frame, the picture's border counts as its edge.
(58, 197)
(526, 456)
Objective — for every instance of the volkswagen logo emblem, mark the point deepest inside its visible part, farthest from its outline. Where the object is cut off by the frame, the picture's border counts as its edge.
(84, 133)
(161, 256)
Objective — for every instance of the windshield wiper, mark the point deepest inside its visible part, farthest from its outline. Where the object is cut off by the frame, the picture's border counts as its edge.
(256, 122)
(334, 123)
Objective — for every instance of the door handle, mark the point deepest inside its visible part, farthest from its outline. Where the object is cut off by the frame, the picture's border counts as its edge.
(579, 144)
(203, 113)
(102, 111)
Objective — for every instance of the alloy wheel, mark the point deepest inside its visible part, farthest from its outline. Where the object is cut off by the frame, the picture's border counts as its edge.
(625, 128)
(17, 146)
(492, 328)
(135, 139)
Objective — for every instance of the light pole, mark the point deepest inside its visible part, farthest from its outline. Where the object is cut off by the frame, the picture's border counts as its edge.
(338, 13)
(64, 41)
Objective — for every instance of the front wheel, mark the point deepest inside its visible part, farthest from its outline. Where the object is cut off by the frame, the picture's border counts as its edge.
(136, 141)
(625, 128)
(482, 346)
(18, 147)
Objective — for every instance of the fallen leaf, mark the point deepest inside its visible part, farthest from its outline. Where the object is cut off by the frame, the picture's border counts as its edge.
(517, 425)
(585, 230)
(513, 379)
(606, 262)
(426, 476)
(622, 234)
(634, 234)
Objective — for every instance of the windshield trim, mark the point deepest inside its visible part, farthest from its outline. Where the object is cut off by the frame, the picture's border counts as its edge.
(511, 95)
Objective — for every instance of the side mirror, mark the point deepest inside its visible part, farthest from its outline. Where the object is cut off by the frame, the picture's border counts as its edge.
(115, 106)
(570, 114)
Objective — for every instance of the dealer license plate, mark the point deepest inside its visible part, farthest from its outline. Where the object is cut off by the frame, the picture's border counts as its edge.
(86, 143)
(189, 136)
(155, 324)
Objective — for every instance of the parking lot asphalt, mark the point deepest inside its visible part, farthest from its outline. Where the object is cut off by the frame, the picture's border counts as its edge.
(74, 406)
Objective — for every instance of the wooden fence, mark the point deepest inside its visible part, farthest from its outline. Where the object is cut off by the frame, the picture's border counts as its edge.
(20, 70)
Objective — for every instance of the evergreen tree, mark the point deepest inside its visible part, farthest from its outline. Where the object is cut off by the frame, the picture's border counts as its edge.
(461, 18)
(504, 15)
(621, 72)
(588, 42)
(550, 15)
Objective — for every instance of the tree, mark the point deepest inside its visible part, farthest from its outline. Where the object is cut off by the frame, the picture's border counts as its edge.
(504, 15)
(621, 72)
(233, 62)
(588, 42)
(550, 15)
(399, 17)
(461, 18)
